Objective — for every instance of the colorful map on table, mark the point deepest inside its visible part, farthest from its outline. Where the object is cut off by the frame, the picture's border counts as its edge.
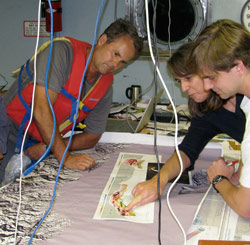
(130, 169)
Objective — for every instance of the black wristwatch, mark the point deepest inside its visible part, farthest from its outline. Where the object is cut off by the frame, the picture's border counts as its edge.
(218, 179)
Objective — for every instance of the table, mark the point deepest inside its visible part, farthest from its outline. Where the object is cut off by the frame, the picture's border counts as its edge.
(78, 201)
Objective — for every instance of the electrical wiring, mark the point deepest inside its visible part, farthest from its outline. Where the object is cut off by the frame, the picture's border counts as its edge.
(145, 91)
(75, 118)
(47, 95)
(32, 108)
(155, 122)
(169, 25)
(46, 89)
(176, 125)
(127, 119)
(131, 105)
(169, 45)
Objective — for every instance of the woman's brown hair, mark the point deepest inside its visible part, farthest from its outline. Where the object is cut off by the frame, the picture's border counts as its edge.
(182, 64)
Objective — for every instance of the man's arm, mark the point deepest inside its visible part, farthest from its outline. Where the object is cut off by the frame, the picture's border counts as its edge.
(83, 141)
(238, 198)
(44, 121)
(147, 191)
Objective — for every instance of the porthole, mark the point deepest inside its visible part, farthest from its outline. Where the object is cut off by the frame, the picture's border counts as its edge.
(187, 19)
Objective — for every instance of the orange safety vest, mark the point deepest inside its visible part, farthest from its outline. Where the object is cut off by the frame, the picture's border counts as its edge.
(65, 104)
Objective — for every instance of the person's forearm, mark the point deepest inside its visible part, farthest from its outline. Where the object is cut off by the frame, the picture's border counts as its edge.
(146, 192)
(171, 168)
(83, 141)
(45, 129)
(44, 121)
(238, 198)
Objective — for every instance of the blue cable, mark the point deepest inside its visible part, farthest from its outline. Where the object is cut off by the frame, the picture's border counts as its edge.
(47, 94)
(71, 135)
(31, 168)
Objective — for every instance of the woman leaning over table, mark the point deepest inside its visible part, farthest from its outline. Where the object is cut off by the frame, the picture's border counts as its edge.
(211, 115)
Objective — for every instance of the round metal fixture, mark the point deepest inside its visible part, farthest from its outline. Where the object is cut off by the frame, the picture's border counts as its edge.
(177, 21)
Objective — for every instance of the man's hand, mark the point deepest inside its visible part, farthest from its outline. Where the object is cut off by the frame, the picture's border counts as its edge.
(143, 193)
(219, 167)
(81, 162)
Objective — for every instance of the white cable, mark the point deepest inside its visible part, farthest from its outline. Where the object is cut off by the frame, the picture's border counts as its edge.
(31, 114)
(201, 202)
(176, 125)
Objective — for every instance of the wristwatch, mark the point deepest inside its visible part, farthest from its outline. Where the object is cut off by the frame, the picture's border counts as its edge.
(218, 179)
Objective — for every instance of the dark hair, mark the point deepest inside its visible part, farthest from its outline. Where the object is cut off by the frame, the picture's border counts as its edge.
(182, 64)
(123, 27)
(212, 103)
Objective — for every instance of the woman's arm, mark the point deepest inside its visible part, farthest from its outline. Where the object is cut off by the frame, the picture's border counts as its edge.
(147, 191)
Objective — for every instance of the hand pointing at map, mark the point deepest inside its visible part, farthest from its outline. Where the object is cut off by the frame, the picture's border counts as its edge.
(143, 193)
